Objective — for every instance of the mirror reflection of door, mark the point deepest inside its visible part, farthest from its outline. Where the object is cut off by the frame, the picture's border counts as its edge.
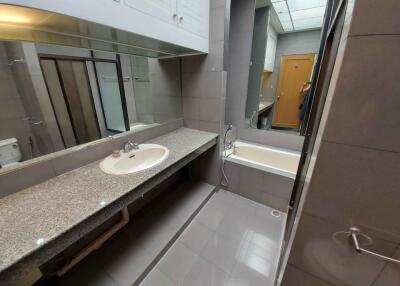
(71, 98)
(295, 71)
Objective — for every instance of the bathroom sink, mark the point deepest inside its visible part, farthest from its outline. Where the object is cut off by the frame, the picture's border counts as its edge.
(147, 156)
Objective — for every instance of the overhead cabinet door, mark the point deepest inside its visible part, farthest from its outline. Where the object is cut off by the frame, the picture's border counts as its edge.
(164, 10)
(193, 16)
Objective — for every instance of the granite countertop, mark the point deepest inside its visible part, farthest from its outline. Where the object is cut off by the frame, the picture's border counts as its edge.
(264, 105)
(34, 217)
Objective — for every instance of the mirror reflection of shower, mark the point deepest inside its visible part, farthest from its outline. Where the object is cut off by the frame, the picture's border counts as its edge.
(60, 97)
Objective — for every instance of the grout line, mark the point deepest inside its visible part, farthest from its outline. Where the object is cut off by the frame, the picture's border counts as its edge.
(359, 146)
(328, 221)
(174, 239)
(372, 35)
(311, 274)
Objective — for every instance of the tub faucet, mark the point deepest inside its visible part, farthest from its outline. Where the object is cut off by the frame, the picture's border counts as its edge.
(228, 144)
(130, 145)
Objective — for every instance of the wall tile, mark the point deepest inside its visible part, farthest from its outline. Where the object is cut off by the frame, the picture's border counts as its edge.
(210, 109)
(371, 17)
(271, 138)
(70, 161)
(315, 252)
(191, 106)
(367, 114)
(19, 179)
(213, 61)
(191, 123)
(296, 277)
(250, 183)
(390, 275)
(202, 84)
(209, 126)
(217, 23)
(351, 179)
(277, 185)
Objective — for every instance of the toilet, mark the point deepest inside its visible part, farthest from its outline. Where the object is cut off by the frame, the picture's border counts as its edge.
(10, 153)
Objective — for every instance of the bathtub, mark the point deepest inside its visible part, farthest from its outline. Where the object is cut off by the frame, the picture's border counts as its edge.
(266, 158)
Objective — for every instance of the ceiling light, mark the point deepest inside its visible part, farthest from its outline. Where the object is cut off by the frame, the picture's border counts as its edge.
(13, 18)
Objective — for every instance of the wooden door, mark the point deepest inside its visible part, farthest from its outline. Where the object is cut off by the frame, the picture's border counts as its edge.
(295, 70)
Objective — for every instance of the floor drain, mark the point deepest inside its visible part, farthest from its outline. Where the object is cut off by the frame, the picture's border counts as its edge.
(275, 213)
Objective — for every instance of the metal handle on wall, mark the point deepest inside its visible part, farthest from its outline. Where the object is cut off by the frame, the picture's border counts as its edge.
(354, 233)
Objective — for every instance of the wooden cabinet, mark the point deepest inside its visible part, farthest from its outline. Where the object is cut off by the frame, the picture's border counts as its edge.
(270, 52)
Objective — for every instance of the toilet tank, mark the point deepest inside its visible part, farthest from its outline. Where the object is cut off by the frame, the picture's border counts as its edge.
(9, 151)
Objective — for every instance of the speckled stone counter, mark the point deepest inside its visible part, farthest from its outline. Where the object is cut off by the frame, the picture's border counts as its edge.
(39, 218)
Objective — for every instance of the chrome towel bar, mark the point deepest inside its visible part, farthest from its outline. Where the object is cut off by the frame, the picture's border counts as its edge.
(354, 233)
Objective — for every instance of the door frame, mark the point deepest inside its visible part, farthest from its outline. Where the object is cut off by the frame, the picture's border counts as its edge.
(332, 28)
(280, 81)
(93, 59)
(54, 58)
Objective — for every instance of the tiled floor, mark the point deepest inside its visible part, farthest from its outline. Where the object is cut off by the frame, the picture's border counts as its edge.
(231, 242)
(130, 253)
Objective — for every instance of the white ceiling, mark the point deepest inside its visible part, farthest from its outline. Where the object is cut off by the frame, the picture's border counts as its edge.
(297, 15)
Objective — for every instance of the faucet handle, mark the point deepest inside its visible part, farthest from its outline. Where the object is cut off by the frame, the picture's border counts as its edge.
(135, 145)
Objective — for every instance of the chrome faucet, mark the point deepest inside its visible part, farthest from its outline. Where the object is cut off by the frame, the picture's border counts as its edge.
(130, 145)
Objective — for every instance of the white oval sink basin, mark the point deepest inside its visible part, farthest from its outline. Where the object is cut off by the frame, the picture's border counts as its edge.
(147, 156)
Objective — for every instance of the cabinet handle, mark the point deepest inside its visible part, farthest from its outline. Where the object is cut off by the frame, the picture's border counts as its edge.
(174, 16)
(181, 19)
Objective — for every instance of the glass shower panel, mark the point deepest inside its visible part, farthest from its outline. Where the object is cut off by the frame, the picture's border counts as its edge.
(111, 96)
(142, 90)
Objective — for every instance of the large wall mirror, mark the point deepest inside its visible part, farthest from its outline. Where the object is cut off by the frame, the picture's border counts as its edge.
(55, 97)
(285, 47)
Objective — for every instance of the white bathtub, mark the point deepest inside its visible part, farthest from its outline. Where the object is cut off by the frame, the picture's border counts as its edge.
(266, 158)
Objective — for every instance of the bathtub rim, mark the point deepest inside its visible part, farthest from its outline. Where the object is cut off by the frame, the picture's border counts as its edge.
(263, 167)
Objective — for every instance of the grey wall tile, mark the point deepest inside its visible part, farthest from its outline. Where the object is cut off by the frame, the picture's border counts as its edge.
(191, 123)
(191, 107)
(22, 178)
(213, 61)
(272, 138)
(217, 23)
(390, 276)
(70, 161)
(375, 17)
(315, 252)
(202, 84)
(262, 187)
(210, 109)
(207, 167)
(296, 277)
(367, 114)
(277, 185)
(359, 186)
